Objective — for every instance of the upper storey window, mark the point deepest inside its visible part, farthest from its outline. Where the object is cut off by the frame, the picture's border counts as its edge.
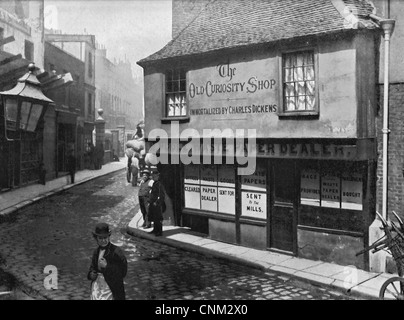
(299, 83)
(176, 93)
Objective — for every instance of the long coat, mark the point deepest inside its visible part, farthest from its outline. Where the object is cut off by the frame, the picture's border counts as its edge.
(117, 267)
(156, 199)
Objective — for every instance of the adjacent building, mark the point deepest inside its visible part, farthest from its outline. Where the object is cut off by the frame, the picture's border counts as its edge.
(295, 83)
(120, 98)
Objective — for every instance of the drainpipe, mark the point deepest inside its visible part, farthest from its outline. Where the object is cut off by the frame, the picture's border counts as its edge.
(388, 27)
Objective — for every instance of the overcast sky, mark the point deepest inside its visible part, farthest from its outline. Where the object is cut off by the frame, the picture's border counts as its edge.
(131, 28)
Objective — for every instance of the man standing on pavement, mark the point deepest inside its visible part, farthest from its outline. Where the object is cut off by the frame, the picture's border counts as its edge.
(157, 205)
(108, 267)
(144, 192)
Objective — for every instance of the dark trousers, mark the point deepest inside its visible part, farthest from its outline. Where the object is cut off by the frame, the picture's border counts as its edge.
(158, 227)
(71, 172)
(143, 208)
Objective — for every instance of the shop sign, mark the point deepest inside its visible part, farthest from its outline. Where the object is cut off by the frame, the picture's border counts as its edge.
(305, 150)
(227, 200)
(192, 194)
(351, 192)
(209, 198)
(254, 204)
(310, 188)
(256, 181)
(330, 191)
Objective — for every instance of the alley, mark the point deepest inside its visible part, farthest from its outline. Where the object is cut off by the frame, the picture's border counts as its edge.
(57, 232)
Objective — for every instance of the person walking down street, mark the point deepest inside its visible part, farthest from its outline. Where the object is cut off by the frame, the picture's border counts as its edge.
(71, 165)
(146, 184)
(157, 205)
(108, 267)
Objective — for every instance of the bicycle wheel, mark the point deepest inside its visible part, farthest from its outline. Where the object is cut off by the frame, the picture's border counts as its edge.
(392, 289)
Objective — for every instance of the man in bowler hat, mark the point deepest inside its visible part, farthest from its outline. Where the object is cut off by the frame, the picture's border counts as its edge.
(108, 267)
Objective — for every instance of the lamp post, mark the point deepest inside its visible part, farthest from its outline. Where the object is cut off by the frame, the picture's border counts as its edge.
(24, 105)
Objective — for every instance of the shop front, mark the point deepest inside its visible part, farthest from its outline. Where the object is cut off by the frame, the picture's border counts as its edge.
(310, 204)
(305, 109)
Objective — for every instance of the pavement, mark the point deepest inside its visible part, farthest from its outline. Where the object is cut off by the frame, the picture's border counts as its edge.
(346, 279)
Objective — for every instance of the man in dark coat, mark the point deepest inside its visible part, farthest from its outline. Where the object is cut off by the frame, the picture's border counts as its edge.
(108, 267)
(157, 204)
(143, 194)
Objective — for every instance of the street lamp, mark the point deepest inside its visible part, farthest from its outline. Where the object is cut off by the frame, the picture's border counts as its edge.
(24, 105)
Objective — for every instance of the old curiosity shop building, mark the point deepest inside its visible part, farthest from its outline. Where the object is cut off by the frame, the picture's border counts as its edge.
(303, 75)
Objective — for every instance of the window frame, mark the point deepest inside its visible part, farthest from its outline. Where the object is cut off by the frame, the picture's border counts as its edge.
(165, 113)
(282, 112)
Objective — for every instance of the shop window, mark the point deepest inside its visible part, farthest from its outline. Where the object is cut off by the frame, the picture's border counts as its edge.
(331, 189)
(210, 188)
(299, 83)
(254, 193)
(176, 104)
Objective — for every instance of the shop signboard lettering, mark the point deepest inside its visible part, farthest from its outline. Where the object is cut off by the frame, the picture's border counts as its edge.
(234, 89)
(330, 191)
(192, 194)
(209, 198)
(310, 188)
(227, 200)
(254, 204)
(256, 181)
(351, 192)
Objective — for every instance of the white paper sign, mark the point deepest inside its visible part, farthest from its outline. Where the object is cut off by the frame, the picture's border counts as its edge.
(226, 176)
(209, 198)
(256, 181)
(352, 191)
(227, 200)
(254, 204)
(330, 191)
(192, 194)
(310, 188)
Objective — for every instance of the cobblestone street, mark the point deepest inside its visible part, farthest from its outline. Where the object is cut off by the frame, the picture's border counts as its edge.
(57, 231)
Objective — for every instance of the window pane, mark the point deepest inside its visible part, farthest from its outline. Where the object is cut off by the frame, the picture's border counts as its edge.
(170, 105)
(183, 105)
(177, 108)
(288, 74)
(298, 74)
(308, 73)
(169, 86)
(301, 103)
(290, 104)
(182, 85)
(290, 90)
(25, 110)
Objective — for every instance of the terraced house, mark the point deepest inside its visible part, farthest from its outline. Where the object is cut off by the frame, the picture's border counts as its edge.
(299, 80)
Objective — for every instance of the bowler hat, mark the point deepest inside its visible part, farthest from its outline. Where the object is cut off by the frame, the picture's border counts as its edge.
(102, 229)
(146, 171)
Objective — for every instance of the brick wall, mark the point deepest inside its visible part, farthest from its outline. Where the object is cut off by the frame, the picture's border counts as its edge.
(395, 150)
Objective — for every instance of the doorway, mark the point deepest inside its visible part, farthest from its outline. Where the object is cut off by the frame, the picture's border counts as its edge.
(283, 211)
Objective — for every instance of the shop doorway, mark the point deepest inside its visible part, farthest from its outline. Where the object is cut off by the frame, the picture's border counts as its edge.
(282, 219)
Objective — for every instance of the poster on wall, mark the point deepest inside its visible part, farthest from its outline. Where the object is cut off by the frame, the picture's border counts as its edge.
(351, 191)
(209, 198)
(191, 174)
(192, 194)
(227, 200)
(330, 191)
(254, 204)
(310, 188)
(256, 181)
(209, 175)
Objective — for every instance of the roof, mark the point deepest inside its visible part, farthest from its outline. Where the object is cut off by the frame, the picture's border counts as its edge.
(226, 24)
